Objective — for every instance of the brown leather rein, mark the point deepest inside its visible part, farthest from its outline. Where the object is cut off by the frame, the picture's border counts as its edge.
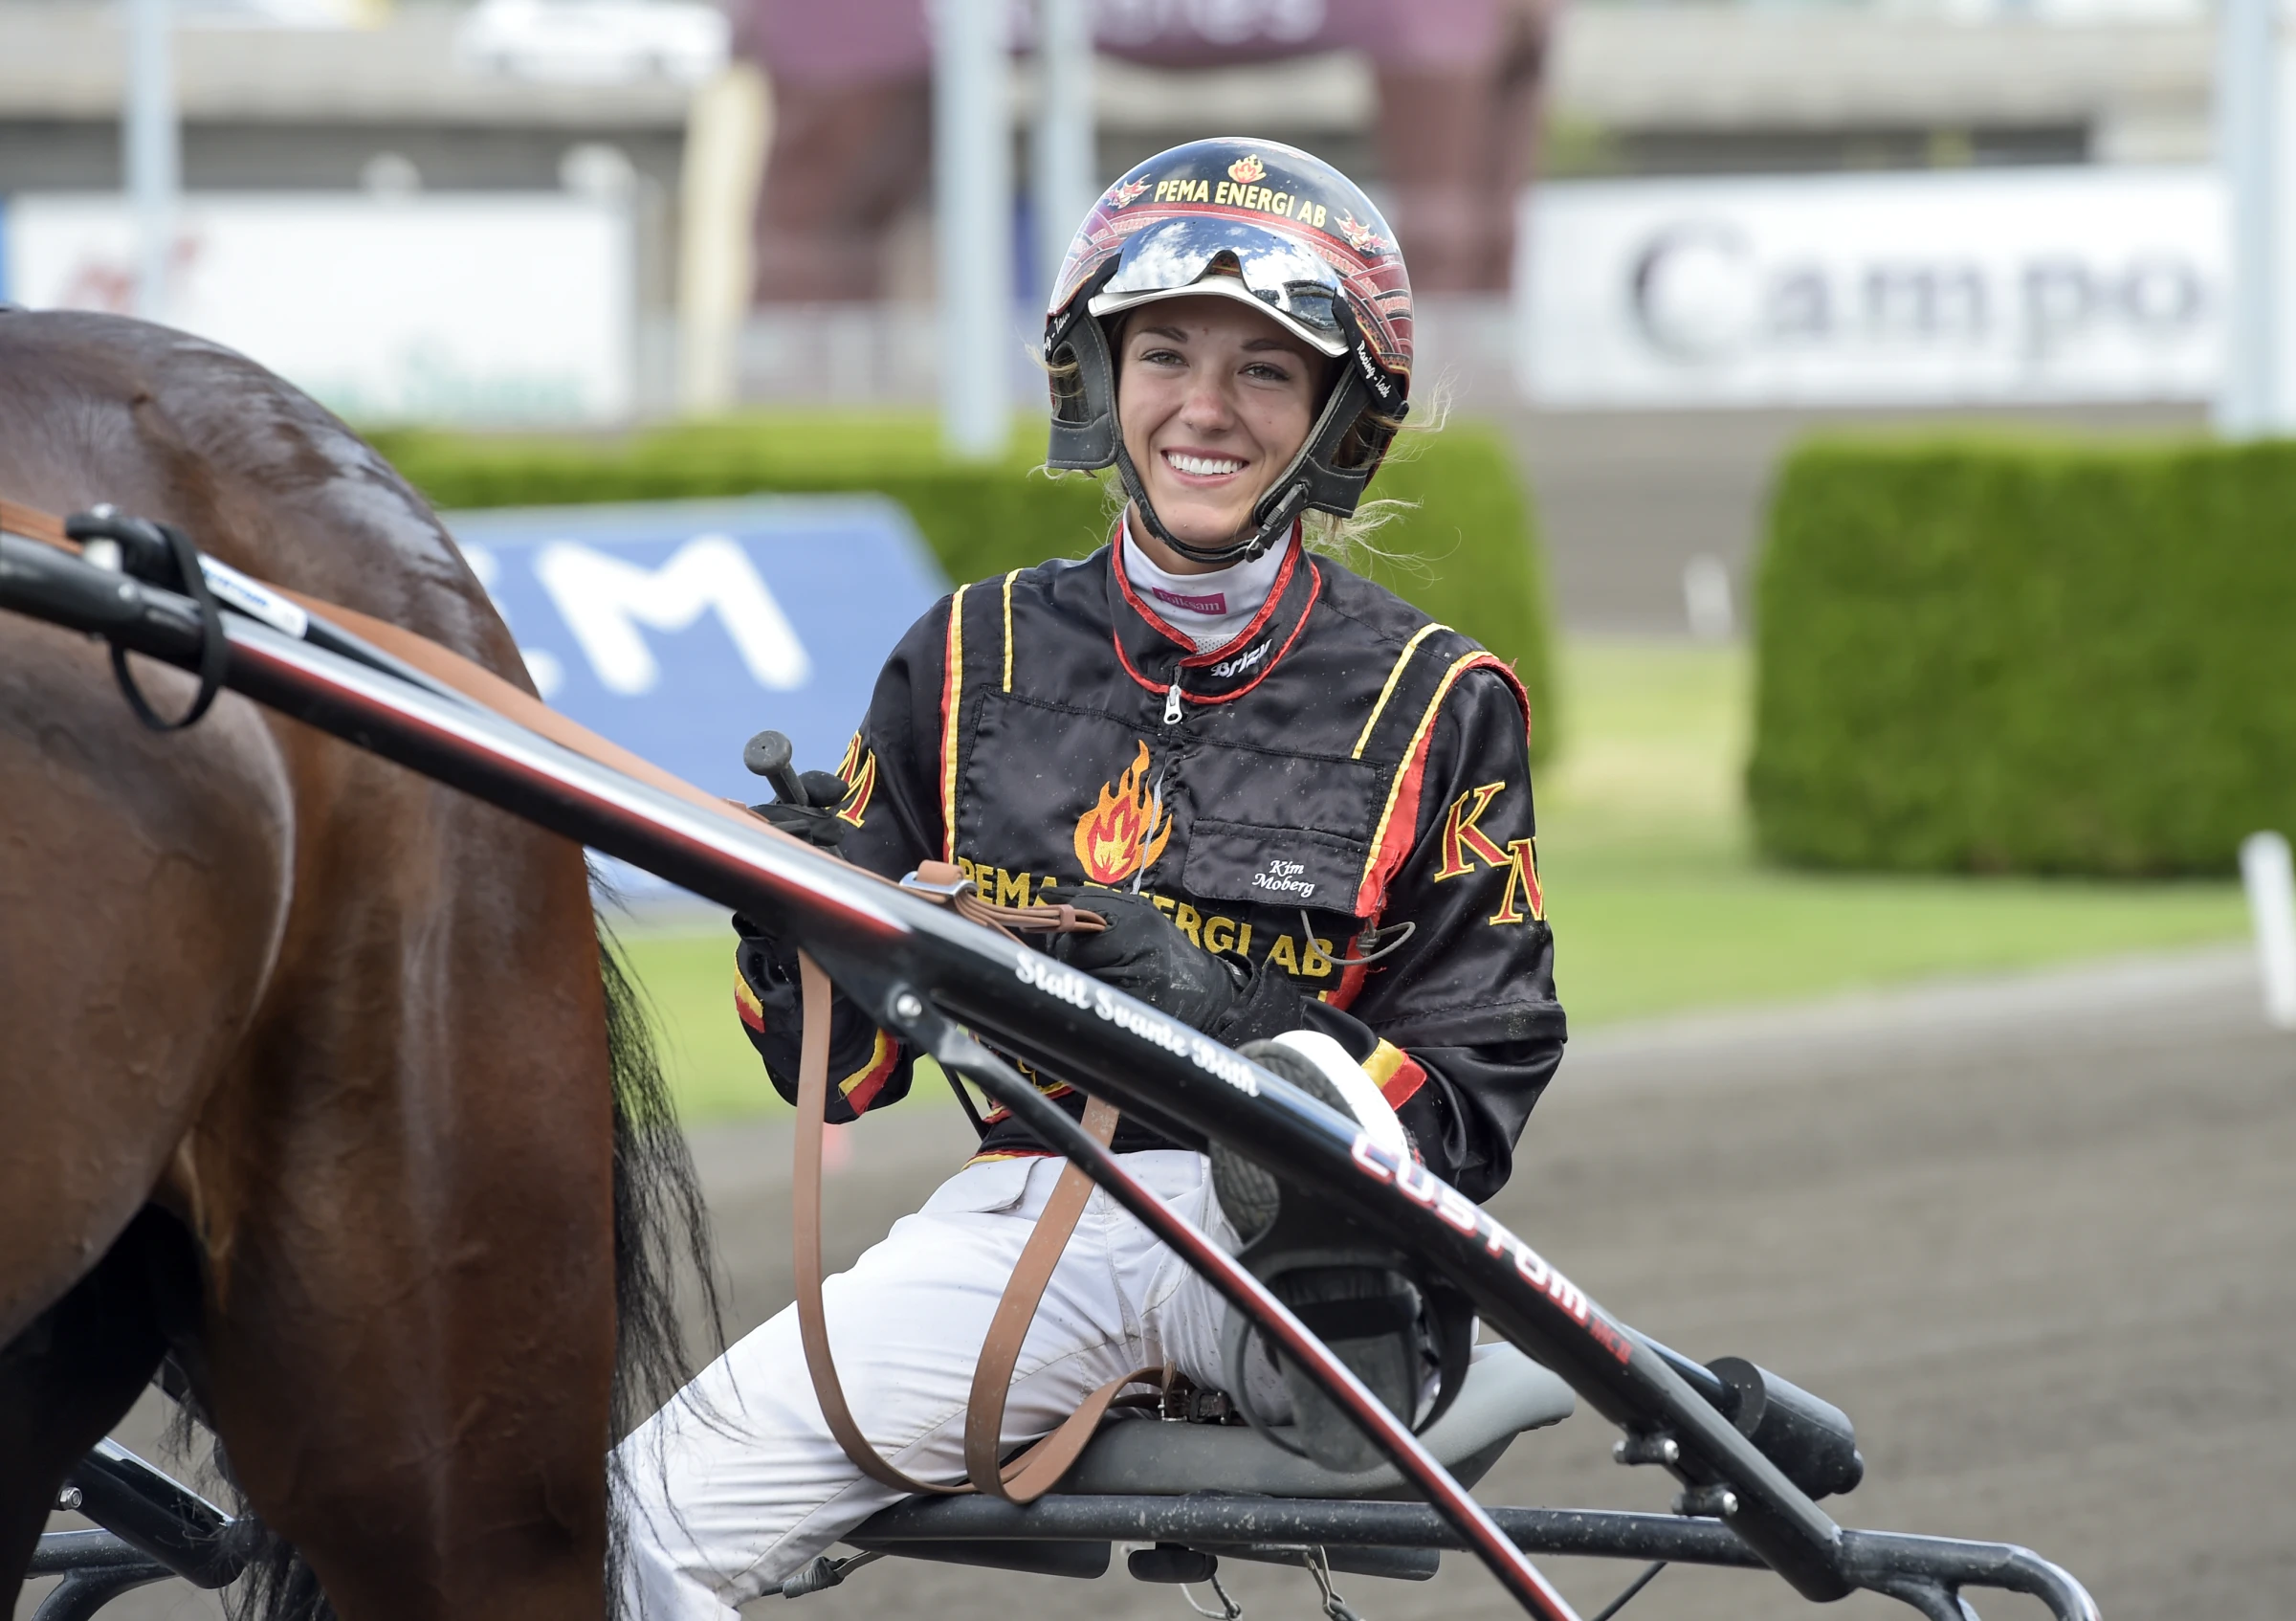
(1036, 1470)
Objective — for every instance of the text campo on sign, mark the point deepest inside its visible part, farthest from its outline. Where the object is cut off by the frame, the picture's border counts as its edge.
(1697, 291)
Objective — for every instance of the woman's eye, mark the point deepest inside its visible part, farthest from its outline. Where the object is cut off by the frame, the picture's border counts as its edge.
(1162, 357)
(1267, 372)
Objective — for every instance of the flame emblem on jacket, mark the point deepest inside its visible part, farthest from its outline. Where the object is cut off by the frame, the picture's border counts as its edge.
(1127, 830)
(1247, 169)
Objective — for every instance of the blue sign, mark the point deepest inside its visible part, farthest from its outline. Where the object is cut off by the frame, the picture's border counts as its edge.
(678, 628)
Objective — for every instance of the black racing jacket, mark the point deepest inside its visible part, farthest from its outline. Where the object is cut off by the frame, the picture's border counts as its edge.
(1344, 767)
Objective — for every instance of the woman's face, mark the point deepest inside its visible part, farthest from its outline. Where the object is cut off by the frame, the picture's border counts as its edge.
(1214, 400)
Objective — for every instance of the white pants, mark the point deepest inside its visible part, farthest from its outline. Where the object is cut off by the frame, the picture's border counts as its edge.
(738, 1482)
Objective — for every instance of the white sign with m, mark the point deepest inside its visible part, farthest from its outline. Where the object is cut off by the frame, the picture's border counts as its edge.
(605, 600)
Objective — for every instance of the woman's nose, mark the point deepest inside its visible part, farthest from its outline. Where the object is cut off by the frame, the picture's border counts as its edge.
(1207, 406)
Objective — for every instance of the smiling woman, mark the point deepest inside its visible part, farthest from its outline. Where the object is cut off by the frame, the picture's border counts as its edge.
(1301, 809)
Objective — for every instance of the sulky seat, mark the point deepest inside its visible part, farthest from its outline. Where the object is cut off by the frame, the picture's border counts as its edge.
(1195, 1491)
(1504, 1394)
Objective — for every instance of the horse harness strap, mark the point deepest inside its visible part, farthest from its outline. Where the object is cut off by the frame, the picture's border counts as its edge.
(449, 669)
(33, 523)
(159, 550)
(1035, 1471)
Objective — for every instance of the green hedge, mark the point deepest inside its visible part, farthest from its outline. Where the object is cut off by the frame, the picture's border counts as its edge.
(1470, 556)
(2010, 655)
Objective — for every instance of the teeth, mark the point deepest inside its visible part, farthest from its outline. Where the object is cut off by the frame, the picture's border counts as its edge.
(1202, 466)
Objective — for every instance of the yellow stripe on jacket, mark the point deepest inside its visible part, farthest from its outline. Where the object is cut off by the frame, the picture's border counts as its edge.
(1396, 1072)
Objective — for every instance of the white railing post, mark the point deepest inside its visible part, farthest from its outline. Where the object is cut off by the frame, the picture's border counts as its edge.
(2247, 135)
(972, 224)
(149, 142)
(2270, 877)
(1065, 165)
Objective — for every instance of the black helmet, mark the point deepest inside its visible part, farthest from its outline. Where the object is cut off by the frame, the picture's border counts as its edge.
(1279, 229)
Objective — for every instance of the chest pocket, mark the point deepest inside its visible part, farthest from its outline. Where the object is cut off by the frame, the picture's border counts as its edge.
(1249, 826)
(1281, 866)
(1280, 831)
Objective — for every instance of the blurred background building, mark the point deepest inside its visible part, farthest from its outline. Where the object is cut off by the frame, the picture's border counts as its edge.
(736, 207)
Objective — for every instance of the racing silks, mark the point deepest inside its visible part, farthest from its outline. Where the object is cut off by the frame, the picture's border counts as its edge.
(1345, 777)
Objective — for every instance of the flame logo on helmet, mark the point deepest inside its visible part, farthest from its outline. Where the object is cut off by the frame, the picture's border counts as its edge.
(1127, 830)
(1247, 169)
(1126, 192)
(1362, 237)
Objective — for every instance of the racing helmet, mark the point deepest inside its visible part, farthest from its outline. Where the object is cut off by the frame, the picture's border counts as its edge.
(1277, 228)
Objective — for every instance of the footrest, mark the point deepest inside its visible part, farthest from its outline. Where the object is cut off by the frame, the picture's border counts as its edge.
(1505, 1393)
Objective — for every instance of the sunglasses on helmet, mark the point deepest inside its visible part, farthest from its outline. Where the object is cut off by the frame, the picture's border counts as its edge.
(1178, 258)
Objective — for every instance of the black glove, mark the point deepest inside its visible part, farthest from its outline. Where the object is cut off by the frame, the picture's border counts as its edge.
(1266, 1004)
(815, 821)
(1143, 954)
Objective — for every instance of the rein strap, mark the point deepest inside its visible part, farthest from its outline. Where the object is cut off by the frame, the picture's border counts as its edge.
(1038, 1469)
(34, 524)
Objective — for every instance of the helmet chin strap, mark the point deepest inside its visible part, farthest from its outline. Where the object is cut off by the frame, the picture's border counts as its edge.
(1241, 547)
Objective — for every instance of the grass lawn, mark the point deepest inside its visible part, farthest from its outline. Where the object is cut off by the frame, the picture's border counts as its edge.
(1658, 904)
(1656, 901)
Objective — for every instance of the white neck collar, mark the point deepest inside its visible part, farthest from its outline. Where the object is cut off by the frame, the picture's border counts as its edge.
(1210, 610)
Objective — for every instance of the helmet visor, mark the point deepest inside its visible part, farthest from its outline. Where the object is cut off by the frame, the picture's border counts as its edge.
(1174, 259)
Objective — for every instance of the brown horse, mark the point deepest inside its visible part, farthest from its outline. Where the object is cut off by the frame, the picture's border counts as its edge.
(309, 1071)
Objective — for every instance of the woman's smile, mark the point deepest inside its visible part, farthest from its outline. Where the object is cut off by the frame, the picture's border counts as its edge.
(1208, 466)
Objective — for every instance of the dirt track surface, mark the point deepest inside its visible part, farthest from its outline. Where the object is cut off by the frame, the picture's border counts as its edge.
(2034, 1237)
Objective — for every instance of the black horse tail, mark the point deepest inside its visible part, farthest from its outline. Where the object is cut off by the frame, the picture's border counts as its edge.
(661, 1239)
(661, 1232)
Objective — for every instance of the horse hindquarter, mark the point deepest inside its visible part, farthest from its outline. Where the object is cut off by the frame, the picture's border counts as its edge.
(412, 1332)
(144, 887)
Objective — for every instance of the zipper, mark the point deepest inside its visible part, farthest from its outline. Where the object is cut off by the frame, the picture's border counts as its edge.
(1172, 705)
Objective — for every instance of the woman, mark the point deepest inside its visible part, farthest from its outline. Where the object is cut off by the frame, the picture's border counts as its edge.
(1301, 805)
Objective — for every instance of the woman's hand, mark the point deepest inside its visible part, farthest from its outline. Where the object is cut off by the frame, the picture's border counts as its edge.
(1143, 954)
(815, 820)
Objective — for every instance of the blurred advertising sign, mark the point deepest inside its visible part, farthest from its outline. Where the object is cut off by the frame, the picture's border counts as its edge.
(2029, 286)
(678, 628)
(509, 308)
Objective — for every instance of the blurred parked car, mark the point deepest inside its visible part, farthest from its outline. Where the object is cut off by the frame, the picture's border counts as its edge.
(594, 41)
